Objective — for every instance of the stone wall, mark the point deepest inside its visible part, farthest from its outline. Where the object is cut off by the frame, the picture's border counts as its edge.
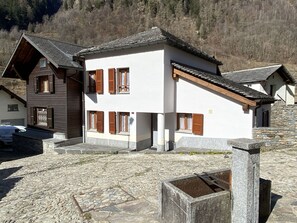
(283, 131)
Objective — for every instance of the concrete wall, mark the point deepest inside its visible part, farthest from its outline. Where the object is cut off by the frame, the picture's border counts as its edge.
(5, 115)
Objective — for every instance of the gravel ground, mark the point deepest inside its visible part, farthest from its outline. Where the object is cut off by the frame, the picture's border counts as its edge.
(70, 188)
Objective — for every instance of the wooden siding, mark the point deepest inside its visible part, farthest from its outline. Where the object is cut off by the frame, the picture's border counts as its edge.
(74, 105)
(57, 100)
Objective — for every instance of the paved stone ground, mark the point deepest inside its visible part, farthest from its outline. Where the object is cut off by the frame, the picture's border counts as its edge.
(121, 187)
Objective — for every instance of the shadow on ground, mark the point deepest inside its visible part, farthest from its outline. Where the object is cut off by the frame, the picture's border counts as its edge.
(7, 154)
(7, 184)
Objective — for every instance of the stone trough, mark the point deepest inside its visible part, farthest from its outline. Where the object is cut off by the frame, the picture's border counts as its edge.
(193, 199)
(220, 196)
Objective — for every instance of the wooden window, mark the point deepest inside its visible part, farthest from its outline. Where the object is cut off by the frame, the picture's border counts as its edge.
(13, 107)
(123, 84)
(42, 63)
(197, 127)
(100, 121)
(50, 118)
(99, 81)
(41, 116)
(92, 120)
(184, 121)
(92, 81)
(112, 122)
(111, 81)
(124, 122)
(44, 84)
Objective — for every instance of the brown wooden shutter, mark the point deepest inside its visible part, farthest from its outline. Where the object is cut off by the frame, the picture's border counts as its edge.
(100, 121)
(36, 85)
(111, 81)
(33, 118)
(99, 81)
(112, 122)
(197, 127)
(51, 83)
(50, 118)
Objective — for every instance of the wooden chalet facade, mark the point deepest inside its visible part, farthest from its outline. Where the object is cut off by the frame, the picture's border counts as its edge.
(54, 83)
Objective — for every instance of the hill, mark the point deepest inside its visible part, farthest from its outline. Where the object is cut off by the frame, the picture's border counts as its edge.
(242, 34)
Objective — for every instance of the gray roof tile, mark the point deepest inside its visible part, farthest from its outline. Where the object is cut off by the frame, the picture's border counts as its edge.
(59, 53)
(259, 74)
(151, 37)
(226, 83)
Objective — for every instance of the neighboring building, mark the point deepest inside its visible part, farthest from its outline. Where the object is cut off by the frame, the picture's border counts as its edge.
(273, 80)
(153, 89)
(12, 108)
(54, 83)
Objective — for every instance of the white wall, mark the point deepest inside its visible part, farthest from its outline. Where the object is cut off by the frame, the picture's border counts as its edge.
(173, 54)
(146, 80)
(257, 87)
(6, 99)
(223, 117)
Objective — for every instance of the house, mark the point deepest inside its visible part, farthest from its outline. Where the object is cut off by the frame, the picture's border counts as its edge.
(273, 80)
(54, 84)
(13, 109)
(153, 89)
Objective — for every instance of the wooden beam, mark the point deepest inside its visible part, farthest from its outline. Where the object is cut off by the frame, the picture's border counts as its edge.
(16, 71)
(213, 87)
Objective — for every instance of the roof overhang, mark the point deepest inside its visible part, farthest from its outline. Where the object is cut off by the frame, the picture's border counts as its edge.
(13, 95)
(245, 101)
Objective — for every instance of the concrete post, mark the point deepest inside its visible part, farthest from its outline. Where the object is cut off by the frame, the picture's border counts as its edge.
(161, 133)
(245, 180)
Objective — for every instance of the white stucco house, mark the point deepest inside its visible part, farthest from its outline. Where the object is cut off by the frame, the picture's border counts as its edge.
(273, 80)
(13, 109)
(152, 89)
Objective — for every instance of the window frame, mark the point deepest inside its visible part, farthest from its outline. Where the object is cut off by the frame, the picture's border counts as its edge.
(186, 117)
(9, 109)
(49, 117)
(124, 125)
(197, 123)
(123, 75)
(39, 87)
(92, 81)
(43, 63)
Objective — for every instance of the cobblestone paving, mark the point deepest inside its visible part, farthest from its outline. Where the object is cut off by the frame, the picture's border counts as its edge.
(42, 188)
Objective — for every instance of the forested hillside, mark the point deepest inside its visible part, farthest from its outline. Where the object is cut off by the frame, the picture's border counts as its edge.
(240, 33)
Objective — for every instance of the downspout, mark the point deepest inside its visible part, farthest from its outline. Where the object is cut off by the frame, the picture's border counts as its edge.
(83, 103)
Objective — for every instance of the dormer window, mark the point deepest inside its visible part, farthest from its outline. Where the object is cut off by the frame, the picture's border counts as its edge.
(42, 63)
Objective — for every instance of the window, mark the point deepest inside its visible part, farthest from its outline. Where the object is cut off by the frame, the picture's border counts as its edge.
(96, 121)
(13, 107)
(121, 84)
(42, 117)
(44, 84)
(124, 122)
(123, 80)
(42, 63)
(92, 82)
(96, 81)
(190, 122)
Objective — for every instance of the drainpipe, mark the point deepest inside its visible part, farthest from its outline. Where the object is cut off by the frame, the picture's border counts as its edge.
(83, 104)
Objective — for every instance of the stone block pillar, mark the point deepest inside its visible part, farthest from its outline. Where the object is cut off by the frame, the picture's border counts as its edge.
(245, 180)
(161, 133)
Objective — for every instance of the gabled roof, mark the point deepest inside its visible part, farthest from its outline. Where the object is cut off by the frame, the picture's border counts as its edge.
(30, 48)
(227, 84)
(259, 74)
(13, 95)
(147, 38)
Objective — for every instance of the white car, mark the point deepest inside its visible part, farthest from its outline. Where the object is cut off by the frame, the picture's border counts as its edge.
(6, 132)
